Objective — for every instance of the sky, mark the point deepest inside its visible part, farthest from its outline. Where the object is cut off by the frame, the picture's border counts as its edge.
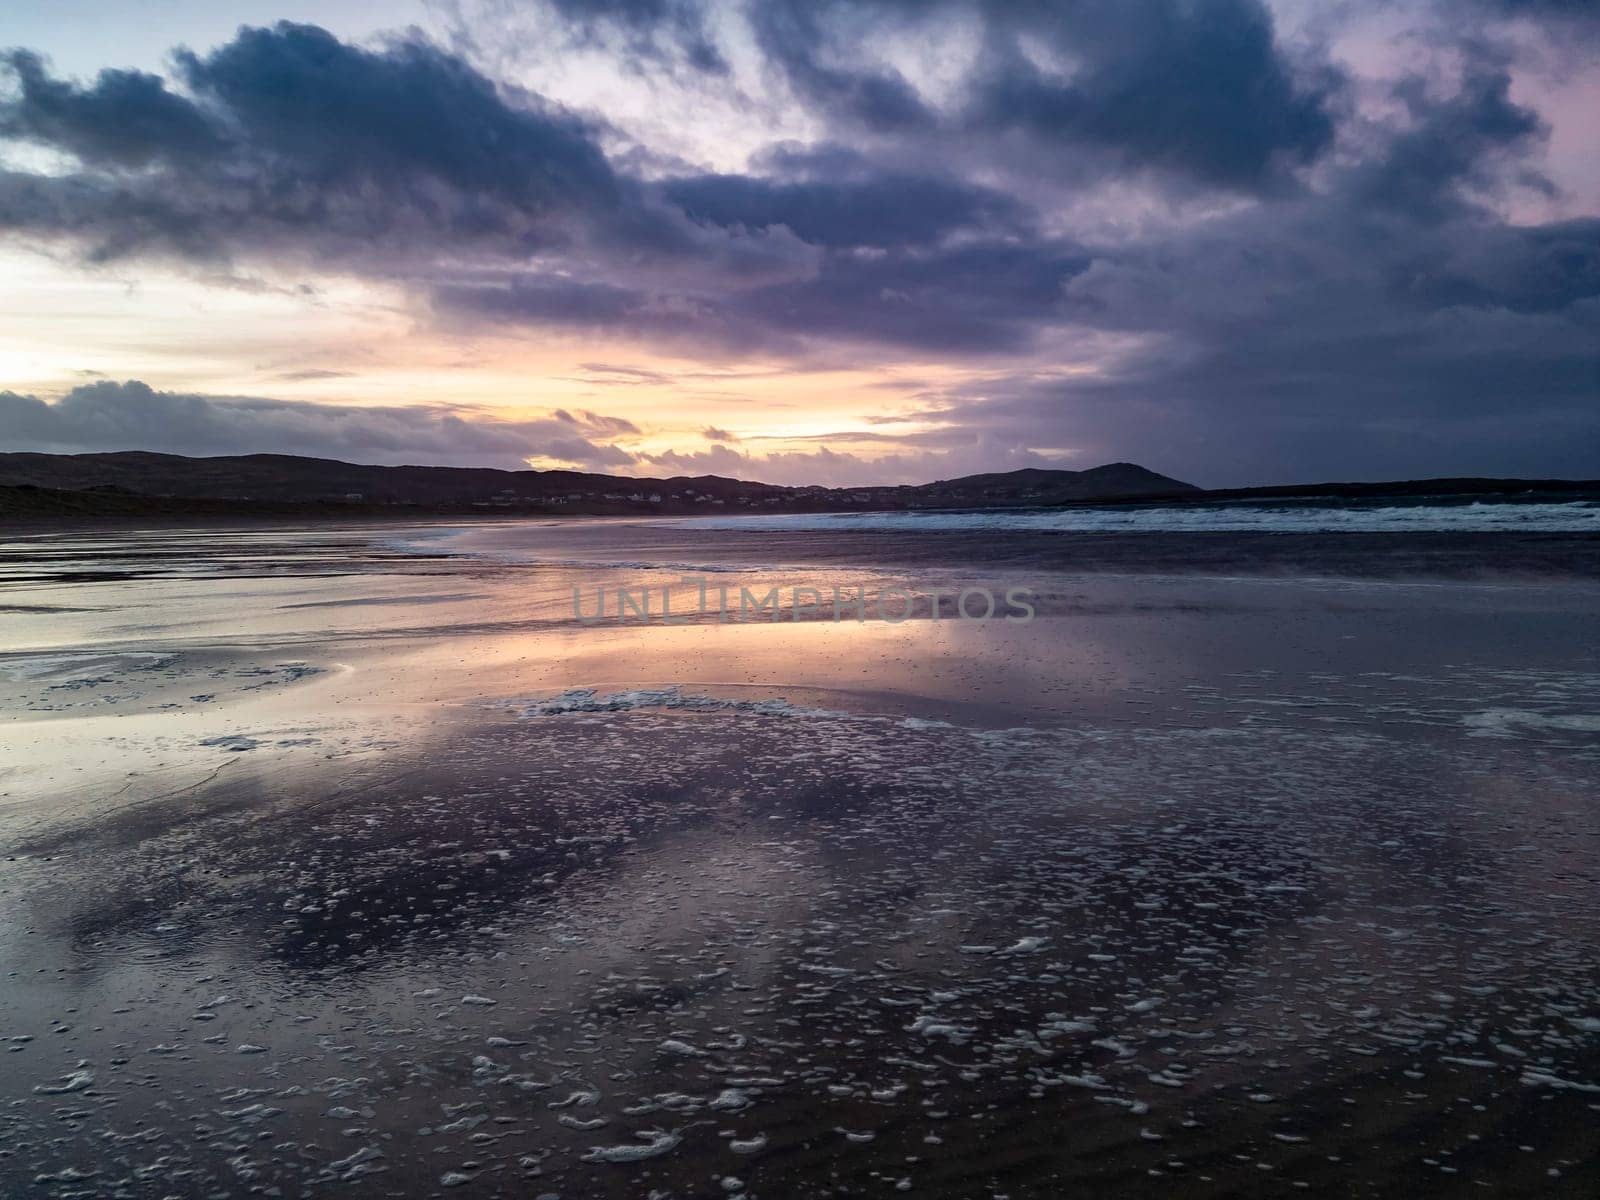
(808, 241)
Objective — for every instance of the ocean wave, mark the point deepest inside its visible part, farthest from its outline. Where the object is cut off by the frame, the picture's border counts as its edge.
(1581, 516)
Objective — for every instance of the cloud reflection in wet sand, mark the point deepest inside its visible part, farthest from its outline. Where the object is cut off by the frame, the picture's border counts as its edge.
(1138, 903)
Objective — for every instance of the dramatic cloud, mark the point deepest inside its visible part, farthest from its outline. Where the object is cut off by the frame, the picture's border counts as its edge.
(1202, 89)
(291, 143)
(871, 211)
(127, 119)
(1183, 232)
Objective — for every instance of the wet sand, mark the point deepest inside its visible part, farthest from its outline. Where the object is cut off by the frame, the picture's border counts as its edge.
(339, 863)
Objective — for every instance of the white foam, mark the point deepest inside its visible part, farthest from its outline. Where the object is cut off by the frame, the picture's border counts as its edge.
(1508, 722)
(71, 668)
(74, 1082)
(590, 700)
(659, 1143)
(1575, 516)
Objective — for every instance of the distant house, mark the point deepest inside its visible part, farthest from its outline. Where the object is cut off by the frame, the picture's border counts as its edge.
(354, 497)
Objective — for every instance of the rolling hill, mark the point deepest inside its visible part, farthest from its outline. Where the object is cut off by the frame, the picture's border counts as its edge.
(133, 482)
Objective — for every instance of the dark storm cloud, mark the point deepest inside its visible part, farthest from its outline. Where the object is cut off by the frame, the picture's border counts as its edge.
(127, 119)
(330, 144)
(294, 143)
(1491, 369)
(697, 321)
(1388, 323)
(1451, 145)
(1258, 269)
(549, 301)
(1202, 89)
(345, 117)
(134, 416)
(1539, 269)
(982, 297)
(1415, 406)
(1576, 11)
(866, 212)
(799, 37)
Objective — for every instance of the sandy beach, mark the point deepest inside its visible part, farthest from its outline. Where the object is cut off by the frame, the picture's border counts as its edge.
(346, 861)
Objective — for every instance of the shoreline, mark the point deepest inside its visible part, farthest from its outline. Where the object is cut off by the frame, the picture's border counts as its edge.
(31, 503)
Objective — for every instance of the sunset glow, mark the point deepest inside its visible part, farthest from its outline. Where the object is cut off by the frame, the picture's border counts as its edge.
(867, 245)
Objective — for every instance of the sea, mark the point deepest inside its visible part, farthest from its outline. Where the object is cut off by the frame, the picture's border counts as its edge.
(1234, 850)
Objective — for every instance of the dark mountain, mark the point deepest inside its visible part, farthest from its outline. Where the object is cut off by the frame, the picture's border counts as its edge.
(129, 482)
(1041, 486)
(136, 484)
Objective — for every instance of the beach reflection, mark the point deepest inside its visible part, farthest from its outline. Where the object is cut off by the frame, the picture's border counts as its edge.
(1188, 878)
